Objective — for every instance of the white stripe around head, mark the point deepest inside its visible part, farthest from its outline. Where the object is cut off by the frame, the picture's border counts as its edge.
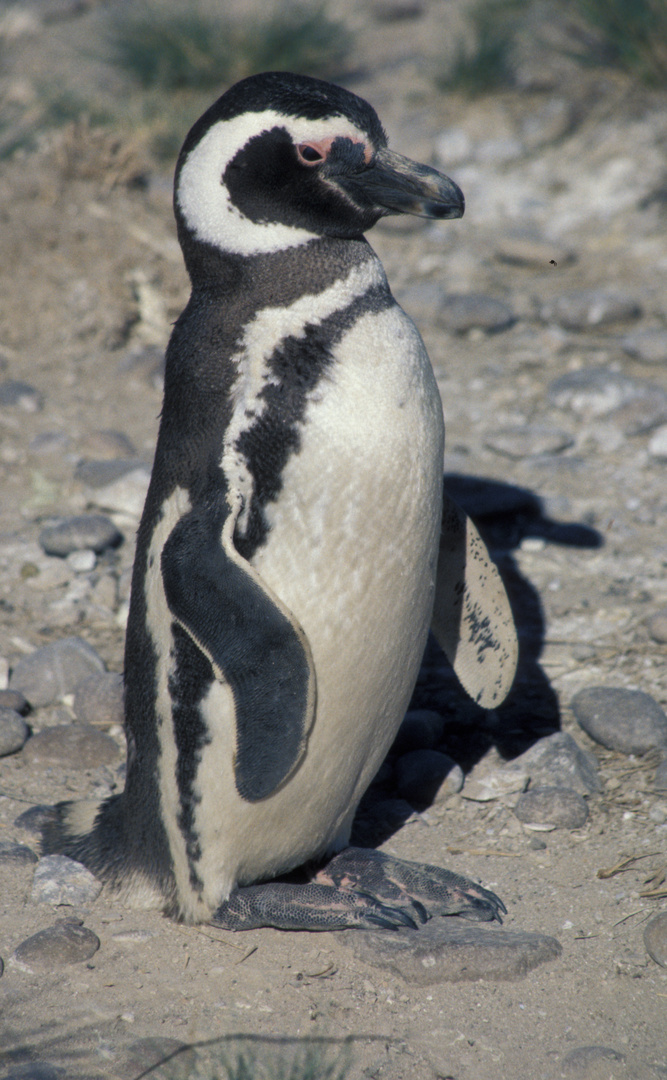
(204, 200)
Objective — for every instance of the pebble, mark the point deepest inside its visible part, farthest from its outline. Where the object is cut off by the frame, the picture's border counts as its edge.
(439, 952)
(594, 1063)
(13, 699)
(461, 312)
(586, 309)
(528, 440)
(655, 938)
(125, 495)
(421, 730)
(15, 854)
(600, 391)
(626, 720)
(657, 446)
(423, 299)
(48, 443)
(531, 252)
(21, 394)
(660, 782)
(97, 474)
(145, 1056)
(657, 628)
(94, 532)
(106, 445)
(45, 675)
(489, 781)
(59, 880)
(427, 776)
(647, 345)
(64, 943)
(99, 700)
(82, 562)
(558, 760)
(71, 746)
(36, 1070)
(560, 807)
(34, 819)
(13, 731)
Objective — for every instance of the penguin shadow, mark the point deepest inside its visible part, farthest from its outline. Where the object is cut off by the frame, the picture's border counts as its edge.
(505, 515)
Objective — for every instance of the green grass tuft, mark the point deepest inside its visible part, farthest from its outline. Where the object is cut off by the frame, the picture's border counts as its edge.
(628, 34)
(483, 60)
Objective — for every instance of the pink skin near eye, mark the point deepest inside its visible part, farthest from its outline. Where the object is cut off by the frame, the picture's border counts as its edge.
(314, 153)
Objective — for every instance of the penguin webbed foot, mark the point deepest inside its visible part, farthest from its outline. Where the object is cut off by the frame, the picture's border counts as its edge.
(311, 906)
(399, 883)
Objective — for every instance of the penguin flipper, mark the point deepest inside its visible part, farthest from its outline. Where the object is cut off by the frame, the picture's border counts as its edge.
(472, 618)
(253, 643)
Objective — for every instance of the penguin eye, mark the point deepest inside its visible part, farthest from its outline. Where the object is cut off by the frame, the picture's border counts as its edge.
(309, 154)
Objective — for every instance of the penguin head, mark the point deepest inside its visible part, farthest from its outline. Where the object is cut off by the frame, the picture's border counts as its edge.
(281, 159)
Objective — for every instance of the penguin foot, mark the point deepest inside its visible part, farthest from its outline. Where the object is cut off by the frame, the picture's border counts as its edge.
(311, 906)
(399, 883)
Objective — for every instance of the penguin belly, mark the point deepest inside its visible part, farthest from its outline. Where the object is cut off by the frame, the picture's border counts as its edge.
(352, 552)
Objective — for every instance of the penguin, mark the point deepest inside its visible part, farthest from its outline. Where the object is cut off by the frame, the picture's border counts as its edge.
(295, 544)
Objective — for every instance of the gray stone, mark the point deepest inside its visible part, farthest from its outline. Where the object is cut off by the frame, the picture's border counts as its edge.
(588, 309)
(14, 700)
(15, 854)
(57, 946)
(421, 729)
(461, 312)
(20, 394)
(59, 880)
(594, 1063)
(657, 626)
(13, 731)
(126, 495)
(635, 405)
(34, 819)
(54, 670)
(647, 345)
(655, 938)
(106, 445)
(528, 440)
(531, 252)
(87, 531)
(159, 1058)
(558, 760)
(97, 474)
(660, 782)
(427, 776)
(441, 952)
(560, 807)
(626, 720)
(657, 446)
(48, 443)
(82, 562)
(36, 1070)
(71, 746)
(99, 700)
(423, 299)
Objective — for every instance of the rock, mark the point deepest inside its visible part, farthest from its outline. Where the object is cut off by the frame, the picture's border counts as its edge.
(626, 720)
(36, 1070)
(531, 252)
(557, 760)
(560, 807)
(49, 443)
(59, 880)
(528, 440)
(439, 952)
(594, 1063)
(492, 778)
(657, 446)
(20, 394)
(94, 532)
(586, 309)
(13, 731)
(45, 675)
(57, 946)
(635, 404)
(98, 474)
(647, 345)
(34, 819)
(423, 299)
(159, 1058)
(461, 312)
(106, 445)
(82, 562)
(14, 700)
(125, 495)
(655, 938)
(15, 854)
(657, 628)
(71, 746)
(99, 700)
(660, 782)
(389, 11)
(427, 776)
(421, 730)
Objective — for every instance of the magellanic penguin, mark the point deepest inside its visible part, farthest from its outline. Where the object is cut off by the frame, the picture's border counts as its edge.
(285, 573)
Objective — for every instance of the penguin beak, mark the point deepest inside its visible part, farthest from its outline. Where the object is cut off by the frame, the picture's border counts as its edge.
(401, 186)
